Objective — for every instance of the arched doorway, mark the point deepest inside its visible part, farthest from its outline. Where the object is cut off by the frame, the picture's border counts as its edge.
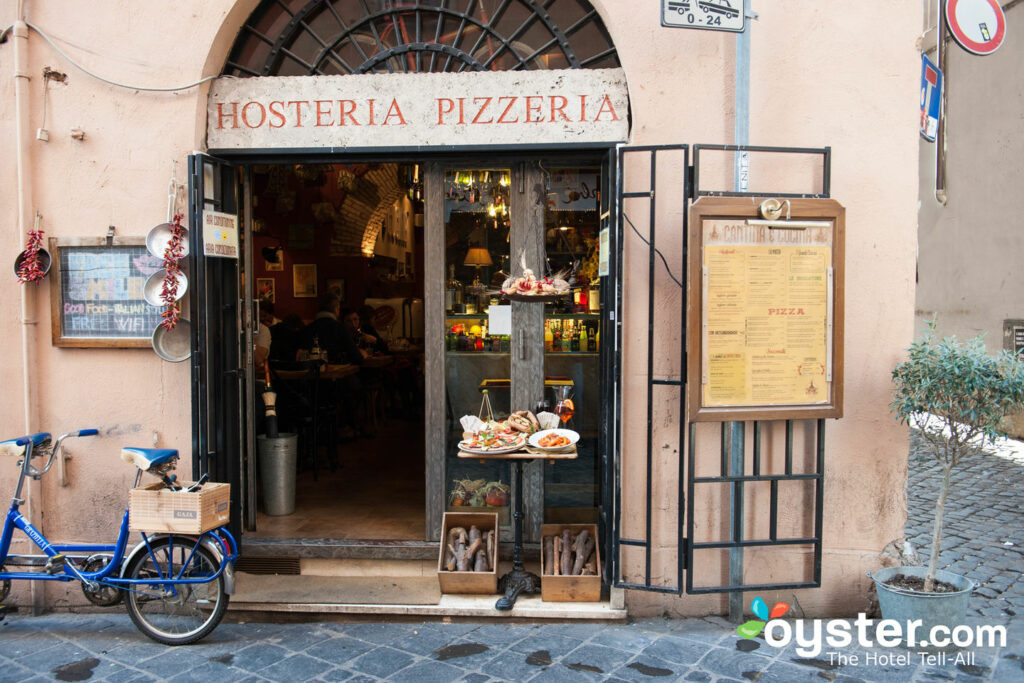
(342, 37)
(323, 39)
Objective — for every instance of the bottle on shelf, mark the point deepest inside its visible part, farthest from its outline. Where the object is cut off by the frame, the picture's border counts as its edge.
(566, 336)
(556, 340)
(549, 338)
(314, 351)
(597, 339)
(453, 302)
(584, 340)
(574, 340)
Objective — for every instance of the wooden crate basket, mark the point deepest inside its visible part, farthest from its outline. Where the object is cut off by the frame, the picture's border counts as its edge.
(469, 582)
(154, 508)
(504, 516)
(558, 588)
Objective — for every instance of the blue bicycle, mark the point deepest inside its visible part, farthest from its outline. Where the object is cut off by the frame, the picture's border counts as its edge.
(175, 587)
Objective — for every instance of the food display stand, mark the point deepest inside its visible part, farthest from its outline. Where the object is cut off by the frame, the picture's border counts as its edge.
(519, 580)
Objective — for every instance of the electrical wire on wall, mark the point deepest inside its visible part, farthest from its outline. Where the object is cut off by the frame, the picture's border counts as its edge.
(101, 78)
(656, 251)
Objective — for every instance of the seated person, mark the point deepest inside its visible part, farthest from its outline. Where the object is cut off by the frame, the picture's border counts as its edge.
(332, 335)
(264, 340)
(285, 337)
(370, 336)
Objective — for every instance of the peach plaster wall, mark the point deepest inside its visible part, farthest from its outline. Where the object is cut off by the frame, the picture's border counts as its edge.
(822, 75)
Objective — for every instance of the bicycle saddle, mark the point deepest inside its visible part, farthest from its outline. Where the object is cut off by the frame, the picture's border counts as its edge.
(17, 446)
(144, 458)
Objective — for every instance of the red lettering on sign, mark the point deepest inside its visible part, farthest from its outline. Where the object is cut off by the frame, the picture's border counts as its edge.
(487, 102)
(394, 110)
(348, 108)
(298, 111)
(372, 122)
(606, 103)
(501, 119)
(320, 113)
(245, 114)
(583, 107)
(444, 106)
(277, 114)
(532, 108)
(560, 108)
(233, 116)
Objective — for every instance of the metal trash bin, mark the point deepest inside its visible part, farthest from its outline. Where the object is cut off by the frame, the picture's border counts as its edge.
(277, 459)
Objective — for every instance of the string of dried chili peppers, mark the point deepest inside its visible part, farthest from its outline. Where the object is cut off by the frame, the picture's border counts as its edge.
(168, 293)
(30, 270)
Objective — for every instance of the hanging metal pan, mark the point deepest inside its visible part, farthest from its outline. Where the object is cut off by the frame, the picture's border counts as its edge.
(155, 284)
(159, 237)
(173, 345)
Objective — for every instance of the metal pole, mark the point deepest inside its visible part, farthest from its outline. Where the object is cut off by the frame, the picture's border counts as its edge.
(741, 134)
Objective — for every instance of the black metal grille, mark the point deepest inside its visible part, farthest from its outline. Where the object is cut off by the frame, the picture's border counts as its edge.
(339, 37)
(657, 316)
(735, 476)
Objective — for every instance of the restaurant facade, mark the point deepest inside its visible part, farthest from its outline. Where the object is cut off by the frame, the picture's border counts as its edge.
(733, 213)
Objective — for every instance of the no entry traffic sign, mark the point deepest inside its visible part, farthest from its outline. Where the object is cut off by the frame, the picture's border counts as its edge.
(979, 26)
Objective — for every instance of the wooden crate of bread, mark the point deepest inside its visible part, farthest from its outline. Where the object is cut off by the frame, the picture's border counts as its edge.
(558, 585)
(154, 508)
(463, 581)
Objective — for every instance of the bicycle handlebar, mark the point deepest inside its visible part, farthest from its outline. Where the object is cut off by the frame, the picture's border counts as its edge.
(86, 432)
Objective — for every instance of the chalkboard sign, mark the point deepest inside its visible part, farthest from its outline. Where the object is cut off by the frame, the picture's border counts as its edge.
(97, 292)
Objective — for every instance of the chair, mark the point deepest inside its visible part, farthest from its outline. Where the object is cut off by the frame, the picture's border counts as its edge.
(299, 405)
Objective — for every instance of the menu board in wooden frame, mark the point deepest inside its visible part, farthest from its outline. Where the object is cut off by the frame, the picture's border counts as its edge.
(765, 310)
(97, 294)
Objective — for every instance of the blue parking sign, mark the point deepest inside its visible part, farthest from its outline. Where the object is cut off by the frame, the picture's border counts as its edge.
(931, 98)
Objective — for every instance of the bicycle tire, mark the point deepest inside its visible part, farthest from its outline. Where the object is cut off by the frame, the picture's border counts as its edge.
(179, 619)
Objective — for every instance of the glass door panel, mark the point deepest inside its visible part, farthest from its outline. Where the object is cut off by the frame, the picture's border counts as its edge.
(477, 221)
(571, 338)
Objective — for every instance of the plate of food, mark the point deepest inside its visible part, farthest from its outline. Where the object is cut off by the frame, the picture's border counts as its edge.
(494, 439)
(554, 440)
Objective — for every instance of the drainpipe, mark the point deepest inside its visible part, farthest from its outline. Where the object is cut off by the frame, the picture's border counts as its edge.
(741, 133)
(33, 497)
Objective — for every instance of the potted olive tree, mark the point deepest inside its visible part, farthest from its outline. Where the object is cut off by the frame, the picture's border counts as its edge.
(956, 395)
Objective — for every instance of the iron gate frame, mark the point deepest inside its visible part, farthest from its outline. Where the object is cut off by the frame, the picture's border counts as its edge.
(687, 481)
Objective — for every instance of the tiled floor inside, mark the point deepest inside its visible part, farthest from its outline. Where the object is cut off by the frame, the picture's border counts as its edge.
(376, 493)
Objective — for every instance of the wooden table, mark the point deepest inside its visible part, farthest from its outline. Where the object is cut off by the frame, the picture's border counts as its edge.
(549, 383)
(326, 372)
(381, 361)
(518, 580)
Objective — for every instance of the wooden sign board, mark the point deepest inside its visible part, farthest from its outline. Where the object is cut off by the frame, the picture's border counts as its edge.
(765, 310)
(96, 292)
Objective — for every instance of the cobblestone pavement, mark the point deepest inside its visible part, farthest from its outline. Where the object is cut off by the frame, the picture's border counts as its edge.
(106, 647)
(984, 540)
(983, 532)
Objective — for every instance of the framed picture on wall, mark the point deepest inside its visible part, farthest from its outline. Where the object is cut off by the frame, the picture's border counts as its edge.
(304, 280)
(300, 236)
(336, 286)
(265, 289)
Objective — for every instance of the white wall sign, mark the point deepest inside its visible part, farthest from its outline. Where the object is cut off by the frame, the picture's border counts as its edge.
(714, 15)
(979, 26)
(458, 110)
(220, 234)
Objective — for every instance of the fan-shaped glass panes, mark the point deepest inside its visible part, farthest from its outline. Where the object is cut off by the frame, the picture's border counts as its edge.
(308, 37)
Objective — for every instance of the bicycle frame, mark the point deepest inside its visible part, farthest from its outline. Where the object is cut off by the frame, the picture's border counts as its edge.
(221, 539)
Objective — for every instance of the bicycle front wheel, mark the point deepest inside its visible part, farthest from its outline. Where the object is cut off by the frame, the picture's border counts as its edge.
(175, 613)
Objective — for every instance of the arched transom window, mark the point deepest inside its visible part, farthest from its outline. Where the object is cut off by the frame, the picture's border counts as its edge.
(338, 37)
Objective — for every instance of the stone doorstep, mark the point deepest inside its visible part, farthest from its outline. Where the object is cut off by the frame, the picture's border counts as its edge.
(475, 606)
